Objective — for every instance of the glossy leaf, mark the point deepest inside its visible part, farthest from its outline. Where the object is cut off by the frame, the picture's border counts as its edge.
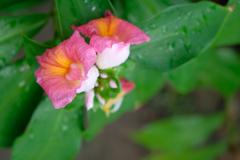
(178, 34)
(12, 30)
(20, 7)
(17, 85)
(52, 134)
(142, 10)
(178, 133)
(218, 69)
(76, 12)
(6, 3)
(32, 49)
(230, 33)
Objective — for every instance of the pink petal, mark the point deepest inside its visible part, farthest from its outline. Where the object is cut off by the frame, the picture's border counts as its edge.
(113, 28)
(100, 43)
(130, 33)
(64, 68)
(59, 90)
(79, 51)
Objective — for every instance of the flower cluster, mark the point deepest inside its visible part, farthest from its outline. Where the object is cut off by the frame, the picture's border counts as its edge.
(74, 66)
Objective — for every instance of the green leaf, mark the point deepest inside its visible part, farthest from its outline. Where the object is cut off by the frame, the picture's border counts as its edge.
(213, 69)
(142, 10)
(76, 12)
(208, 153)
(6, 3)
(52, 134)
(17, 84)
(178, 133)
(21, 7)
(32, 49)
(147, 82)
(12, 30)
(230, 33)
(178, 34)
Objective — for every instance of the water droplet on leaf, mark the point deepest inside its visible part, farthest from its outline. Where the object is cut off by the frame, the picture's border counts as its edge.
(93, 8)
(22, 83)
(31, 136)
(64, 127)
(153, 26)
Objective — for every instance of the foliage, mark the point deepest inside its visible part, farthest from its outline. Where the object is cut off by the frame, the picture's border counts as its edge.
(183, 52)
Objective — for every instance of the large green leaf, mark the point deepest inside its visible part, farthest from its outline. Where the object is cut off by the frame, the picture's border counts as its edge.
(219, 69)
(142, 10)
(178, 133)
(12, 30)
(230, 33)
(17, 102)
(32, 49)
(178, 34)
(75, 12)
(6, 3)
(20, 7)
(52, 134)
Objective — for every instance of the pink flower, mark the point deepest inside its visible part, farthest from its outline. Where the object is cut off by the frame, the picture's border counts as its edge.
(111, 37)
(113, 104)
(67, 69)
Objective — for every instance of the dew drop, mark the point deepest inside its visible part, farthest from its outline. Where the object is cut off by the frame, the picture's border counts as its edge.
(24, 68)
(189, 14)
(139, 56)
(153, 26)
(93, 8)
(64, 128)
(22, 83)
(164, 29)
(31, 136)
(7, 72)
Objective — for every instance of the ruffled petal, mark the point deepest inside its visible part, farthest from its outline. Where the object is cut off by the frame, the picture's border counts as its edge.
(101, 43)
(115, 29)
(59, 90)
(130, 33)
(64, 68)
(79, 51)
